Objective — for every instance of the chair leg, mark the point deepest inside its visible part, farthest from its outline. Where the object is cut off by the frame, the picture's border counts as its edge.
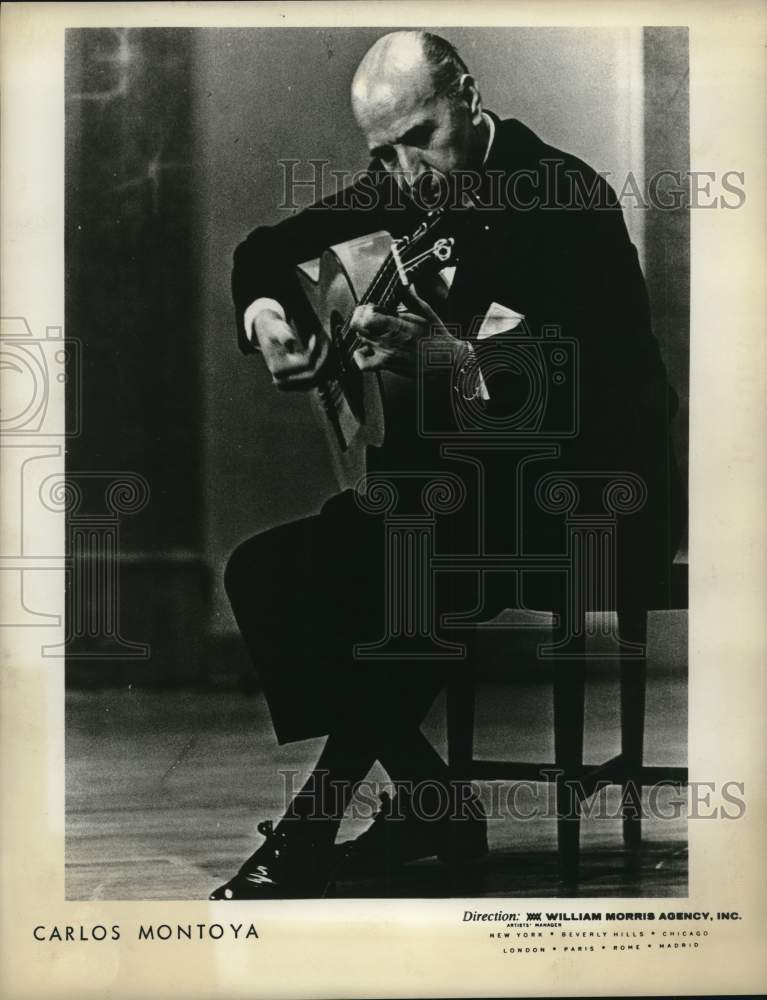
(569, 698)
(632, 626)
(460, 694)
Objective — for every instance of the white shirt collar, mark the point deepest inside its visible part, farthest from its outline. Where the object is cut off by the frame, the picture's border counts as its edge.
(491, 126)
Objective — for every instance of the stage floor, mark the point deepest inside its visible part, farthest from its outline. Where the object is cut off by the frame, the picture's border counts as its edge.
(164, 791)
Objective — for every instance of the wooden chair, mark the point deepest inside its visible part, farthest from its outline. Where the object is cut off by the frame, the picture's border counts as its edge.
(576, 782)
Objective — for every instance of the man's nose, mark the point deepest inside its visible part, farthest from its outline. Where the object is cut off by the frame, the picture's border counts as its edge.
(408, 163)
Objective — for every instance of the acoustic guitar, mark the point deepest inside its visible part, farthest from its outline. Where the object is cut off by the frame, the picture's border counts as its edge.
(350, 404)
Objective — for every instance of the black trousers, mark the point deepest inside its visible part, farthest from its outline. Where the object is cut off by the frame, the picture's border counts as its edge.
(304, 594)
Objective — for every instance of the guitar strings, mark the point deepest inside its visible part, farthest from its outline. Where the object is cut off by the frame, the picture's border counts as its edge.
(387, 270)
(383, 296)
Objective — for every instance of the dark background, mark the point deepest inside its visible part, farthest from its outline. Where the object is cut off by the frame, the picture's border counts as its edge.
(173, 139)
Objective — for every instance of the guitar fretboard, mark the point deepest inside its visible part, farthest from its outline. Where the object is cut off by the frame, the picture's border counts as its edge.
(387, 284)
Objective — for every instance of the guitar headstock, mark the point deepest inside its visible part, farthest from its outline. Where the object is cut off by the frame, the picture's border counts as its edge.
(423, 247)
(427, 227)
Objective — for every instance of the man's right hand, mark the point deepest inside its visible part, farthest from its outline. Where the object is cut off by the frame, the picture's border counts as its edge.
(292, 364)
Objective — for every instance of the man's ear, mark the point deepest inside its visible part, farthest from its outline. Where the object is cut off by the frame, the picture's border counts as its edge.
(471, 95)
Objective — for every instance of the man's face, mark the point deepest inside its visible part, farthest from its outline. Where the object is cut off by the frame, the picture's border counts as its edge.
(415, 133)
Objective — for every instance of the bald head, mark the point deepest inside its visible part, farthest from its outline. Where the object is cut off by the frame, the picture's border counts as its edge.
(404, 64)
(417, 105)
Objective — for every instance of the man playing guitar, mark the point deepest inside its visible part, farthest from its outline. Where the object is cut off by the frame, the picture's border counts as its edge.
(304, 594)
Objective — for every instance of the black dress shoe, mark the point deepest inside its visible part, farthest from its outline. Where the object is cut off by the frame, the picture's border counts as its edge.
(290, 864)
(398, 835)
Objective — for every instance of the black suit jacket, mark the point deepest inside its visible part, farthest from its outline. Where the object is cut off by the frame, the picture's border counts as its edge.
(546, 237)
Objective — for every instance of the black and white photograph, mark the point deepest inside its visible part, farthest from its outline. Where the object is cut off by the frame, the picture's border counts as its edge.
(402, 605)
(366, 444)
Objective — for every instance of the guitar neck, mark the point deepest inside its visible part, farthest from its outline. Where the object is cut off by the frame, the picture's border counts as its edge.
(383, 291)
(386, 287)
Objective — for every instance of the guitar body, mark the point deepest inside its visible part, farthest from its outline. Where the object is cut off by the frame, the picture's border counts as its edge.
(373, 269)
(349, 404)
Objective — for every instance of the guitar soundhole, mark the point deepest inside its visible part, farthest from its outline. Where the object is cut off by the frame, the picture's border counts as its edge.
(349, 374)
